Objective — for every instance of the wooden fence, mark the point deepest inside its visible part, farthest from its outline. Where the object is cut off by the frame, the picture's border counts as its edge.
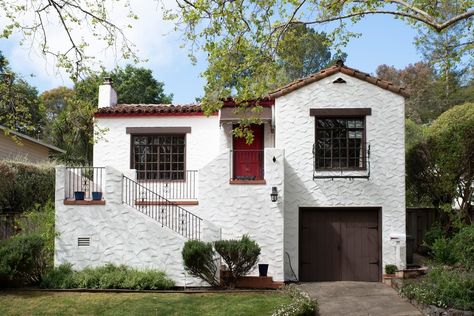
(418, 222)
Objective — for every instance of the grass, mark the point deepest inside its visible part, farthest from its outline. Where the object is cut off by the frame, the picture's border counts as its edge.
(61, 303)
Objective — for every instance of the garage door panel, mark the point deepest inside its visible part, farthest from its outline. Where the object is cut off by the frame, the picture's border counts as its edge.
(339, 244)
(321, 242)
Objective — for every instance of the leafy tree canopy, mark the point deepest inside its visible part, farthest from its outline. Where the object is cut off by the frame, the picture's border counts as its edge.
(133, 85)
(441, 166)
(71, 111)
(19, 106)
(257, 30)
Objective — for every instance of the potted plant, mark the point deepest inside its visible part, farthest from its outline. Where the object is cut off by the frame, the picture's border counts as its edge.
(263, 269)
(80, 195)
(390, 270)
(96, 195)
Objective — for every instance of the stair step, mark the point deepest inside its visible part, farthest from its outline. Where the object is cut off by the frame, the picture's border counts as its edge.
(257, 282)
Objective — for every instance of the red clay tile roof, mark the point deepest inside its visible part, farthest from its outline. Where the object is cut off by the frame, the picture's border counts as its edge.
(339, 67)
(156, 109)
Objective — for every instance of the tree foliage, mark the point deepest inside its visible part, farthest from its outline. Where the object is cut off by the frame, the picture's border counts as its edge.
(257, 30)
(70, 111)
(38, 21)
(427, 90)
(441, 165)
(19, 106)
(133, 85)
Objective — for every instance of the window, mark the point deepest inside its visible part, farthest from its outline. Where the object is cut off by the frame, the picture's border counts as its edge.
(340, 143)
(159, 157)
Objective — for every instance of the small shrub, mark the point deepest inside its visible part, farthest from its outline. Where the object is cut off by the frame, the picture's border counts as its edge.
(435, 232)
(442, 252)
(240, 256)
(21, 259)
(198, 258)
(61, 277)
(301, 304)
(107, 277)
(463, 247)
(443, 287)
(390, 269)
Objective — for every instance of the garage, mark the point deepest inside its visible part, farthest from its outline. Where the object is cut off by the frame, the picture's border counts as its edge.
(339, 244)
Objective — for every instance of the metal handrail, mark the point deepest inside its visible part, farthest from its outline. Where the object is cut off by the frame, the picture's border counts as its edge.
(176, 189)
(162, 210)
(344, 172)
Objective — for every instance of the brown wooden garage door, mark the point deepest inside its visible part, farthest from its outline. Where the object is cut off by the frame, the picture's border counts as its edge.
(339, 244)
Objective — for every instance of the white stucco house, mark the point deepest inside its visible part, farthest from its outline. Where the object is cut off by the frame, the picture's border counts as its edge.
(330, 149)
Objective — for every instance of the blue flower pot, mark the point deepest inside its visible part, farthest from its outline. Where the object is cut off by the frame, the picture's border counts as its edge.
(79, 195)
(97, 196)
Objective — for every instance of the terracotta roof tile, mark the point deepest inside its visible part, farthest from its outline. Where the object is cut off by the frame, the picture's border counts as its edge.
(150, 109)
(340, 67)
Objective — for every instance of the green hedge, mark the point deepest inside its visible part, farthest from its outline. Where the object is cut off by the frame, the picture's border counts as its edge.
(24, 185)
(106, 277)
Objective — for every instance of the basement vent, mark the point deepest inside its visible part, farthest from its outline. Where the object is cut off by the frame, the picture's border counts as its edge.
(84, 241)
(339, 80)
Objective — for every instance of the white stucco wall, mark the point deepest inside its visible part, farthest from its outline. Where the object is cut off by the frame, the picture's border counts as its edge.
(385, 133)
(119, 234)
(246, 209)
(113, 147)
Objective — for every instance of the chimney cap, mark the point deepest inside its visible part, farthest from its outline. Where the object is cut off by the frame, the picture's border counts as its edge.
(108, 80)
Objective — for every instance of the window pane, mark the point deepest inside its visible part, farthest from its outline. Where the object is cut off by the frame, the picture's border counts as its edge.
(339, 143)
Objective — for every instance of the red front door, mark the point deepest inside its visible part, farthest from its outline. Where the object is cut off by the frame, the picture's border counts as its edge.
(248, 159)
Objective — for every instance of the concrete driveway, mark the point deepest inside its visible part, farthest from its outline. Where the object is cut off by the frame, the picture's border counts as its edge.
(358, 298)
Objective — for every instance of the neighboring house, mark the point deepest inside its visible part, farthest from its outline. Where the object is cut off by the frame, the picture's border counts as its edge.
(15, 145)
(330, 151)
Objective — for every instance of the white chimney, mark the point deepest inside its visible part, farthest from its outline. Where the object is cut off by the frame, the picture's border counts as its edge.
(107, 94)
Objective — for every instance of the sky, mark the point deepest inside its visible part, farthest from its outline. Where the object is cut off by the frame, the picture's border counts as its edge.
(384, 40)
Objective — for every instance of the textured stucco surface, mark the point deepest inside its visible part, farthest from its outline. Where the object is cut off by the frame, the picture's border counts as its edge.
(119, 234)
(385, 133)
(247, 209)
(113, 147)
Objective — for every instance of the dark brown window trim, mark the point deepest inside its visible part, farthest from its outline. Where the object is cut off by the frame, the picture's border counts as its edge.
(340, 112)
(158, 130)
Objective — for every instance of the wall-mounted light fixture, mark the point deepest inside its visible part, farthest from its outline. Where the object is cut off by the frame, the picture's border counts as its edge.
(274, 159)
(274, 194)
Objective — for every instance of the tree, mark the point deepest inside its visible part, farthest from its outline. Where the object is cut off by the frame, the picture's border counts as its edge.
(133, 85)
(19, 106)
(72, 129)
(449, 51)
(263, 21)
(224, 29)
(38, 20)
(421, 83)
(442, 165)
(302, 52)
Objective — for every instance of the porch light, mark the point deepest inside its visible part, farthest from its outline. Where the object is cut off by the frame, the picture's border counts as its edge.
(274, 194)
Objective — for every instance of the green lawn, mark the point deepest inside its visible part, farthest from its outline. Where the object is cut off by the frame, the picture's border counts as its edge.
(61, 303)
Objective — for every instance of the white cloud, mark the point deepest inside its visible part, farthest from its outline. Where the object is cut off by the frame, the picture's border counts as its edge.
(154, 39)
